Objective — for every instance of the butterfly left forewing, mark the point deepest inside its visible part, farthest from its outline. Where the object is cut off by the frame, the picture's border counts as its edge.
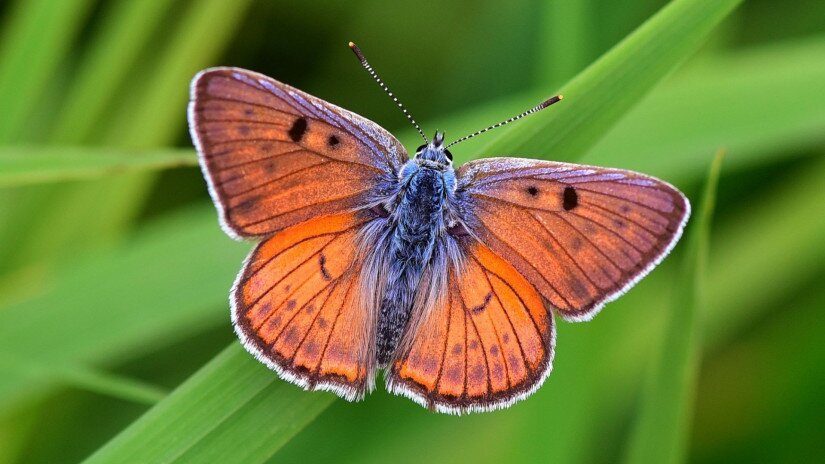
(581, 235)
(275, 156)
(486, 344)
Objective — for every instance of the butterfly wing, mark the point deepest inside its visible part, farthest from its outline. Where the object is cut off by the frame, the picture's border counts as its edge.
(581, 235)
(275, 156)
(488, 343)
(298, 305)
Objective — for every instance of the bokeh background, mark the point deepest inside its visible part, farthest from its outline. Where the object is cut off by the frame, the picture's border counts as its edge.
(114, 272)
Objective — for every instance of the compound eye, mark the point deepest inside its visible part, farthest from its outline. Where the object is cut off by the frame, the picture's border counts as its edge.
(418, 150)
(449, 155)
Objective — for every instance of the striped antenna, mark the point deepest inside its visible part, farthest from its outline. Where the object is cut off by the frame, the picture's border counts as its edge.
(532, 110)
(369, 69)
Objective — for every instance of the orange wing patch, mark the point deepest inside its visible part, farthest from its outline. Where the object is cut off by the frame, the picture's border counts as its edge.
(297, 306)
(489, 344)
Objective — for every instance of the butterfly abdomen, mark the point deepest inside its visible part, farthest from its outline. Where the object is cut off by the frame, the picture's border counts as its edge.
(416, 224)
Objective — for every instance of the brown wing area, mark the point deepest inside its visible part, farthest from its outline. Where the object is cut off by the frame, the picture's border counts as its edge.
(297, 306)
(275, 156)
(489, 344)
(582, 235)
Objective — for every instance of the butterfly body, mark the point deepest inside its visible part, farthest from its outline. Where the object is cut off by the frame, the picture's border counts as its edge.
(448, 279)
(417, 222)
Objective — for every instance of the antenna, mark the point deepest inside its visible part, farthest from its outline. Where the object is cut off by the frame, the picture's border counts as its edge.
(369, 69)
(532, 110)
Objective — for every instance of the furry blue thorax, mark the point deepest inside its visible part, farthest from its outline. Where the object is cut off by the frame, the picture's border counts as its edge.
(417, 222)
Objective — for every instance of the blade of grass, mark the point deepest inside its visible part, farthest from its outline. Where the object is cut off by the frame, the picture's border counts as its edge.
(233, 400)
(83, 378)
(37, 34)
(37, 165)
(156, 116)
(601, 94)
(662, 429)
(115, 48)
(759, 111)
(686, 115)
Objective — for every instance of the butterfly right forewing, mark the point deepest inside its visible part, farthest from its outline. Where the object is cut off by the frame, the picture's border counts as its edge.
(582, 235)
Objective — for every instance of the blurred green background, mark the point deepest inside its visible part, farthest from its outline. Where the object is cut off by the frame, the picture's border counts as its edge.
(115, 339)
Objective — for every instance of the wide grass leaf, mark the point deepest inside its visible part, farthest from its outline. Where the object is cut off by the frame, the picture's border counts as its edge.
(232, 410)
(604, 92)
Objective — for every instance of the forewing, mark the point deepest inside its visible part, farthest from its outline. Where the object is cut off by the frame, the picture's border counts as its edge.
(581, 235)
(275, 156)
(298, 306)
(488, 343)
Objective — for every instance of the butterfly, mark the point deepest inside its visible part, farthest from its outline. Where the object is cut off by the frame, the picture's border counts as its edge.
(368, 259)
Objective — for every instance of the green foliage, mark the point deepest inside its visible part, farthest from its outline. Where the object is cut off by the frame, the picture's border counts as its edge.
(28, 165)
(663, 428)
(114, 273)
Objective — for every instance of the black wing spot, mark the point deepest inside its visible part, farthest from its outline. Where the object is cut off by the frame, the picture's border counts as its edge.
(244, 129)
(322, 260)
(533, 191)
(249, 112)
(480, 308)
(333, 141)
(570, 199)
(298, 129)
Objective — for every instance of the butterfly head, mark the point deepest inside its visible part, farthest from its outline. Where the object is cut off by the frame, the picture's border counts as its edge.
(435, 152)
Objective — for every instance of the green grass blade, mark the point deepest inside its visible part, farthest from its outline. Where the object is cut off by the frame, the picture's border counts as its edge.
(232, 410)
(36, 36)
(124, 33)
(662, 430)
(84, 378)
(709, 104)
(599, 96)
(153, 116)
(38, 165)
(759, 111)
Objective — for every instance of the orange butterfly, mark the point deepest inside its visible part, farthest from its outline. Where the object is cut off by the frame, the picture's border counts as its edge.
(448, 280)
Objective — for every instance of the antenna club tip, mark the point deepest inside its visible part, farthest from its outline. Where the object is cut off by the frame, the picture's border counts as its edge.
(351, 44)
(551, 100)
